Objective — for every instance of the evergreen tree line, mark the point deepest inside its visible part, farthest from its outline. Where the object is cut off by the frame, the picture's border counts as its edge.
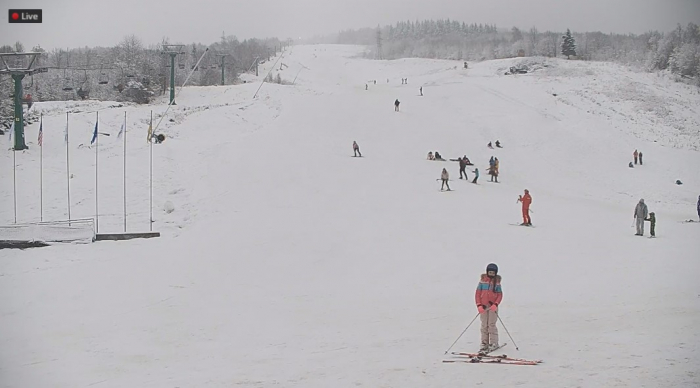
(677, 50)
(131, 71)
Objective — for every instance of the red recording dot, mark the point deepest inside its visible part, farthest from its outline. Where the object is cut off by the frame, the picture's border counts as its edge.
(15, 16)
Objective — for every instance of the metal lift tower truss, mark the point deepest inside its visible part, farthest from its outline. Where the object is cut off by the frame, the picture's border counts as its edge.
(19, 65)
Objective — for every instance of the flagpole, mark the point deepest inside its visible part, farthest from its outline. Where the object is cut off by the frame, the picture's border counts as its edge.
(150, 140)
(97, 143)
(124, 171)
(41, 168)
(68, 168)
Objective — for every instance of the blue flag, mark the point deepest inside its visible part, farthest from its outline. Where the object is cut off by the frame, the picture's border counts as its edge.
(94, 134)
(121, 130)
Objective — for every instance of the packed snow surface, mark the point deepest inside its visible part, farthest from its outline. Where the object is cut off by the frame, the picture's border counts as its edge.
(284, 261)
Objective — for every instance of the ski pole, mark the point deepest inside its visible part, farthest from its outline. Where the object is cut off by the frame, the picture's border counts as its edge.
(460, 336)
(504, 326)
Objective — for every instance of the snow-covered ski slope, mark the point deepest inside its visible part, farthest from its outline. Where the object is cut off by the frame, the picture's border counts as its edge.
(288, 263)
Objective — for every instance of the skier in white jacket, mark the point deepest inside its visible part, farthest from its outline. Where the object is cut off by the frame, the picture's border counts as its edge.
(445, 176)
(641, 212)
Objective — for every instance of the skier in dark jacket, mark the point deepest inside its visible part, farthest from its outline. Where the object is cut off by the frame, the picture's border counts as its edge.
(396, 105)
(698, 206)
(652, 220)
(462, 166)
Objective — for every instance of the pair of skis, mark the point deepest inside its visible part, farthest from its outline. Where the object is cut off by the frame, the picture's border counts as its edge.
(487, 358)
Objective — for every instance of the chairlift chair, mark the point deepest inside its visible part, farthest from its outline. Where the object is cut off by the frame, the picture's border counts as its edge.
(67, 82)
(31, 84)
(181, 66)
(104, 77)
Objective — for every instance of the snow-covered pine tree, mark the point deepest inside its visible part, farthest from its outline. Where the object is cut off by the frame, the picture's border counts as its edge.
(568, 44)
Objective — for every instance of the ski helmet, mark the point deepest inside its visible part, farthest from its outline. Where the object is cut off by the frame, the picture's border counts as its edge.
(492, 267)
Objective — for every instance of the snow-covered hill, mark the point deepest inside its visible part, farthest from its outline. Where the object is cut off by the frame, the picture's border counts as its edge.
(287, 262)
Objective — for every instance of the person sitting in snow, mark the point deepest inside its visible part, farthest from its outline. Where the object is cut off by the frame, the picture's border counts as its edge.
(430, 156)
(438, 156)
(489, 145)
(356, 149)
(498, 144)
(630, 165)
(488, 297)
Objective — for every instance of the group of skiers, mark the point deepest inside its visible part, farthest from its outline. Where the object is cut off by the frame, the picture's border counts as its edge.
(498, 145)
(493, 169)
(641, 214)
(435, 156)
(638, 156)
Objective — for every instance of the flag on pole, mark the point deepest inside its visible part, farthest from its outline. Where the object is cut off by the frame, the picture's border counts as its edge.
(94, 134)
(150, 132)
(41, 134)
(121, 131)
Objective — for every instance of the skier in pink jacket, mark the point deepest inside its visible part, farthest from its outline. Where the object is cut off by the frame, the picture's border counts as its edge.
(488, 296)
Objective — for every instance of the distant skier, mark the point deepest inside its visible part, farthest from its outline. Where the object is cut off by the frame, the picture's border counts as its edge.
(430, 156)
(438, 156)
(636, 155)
(489, 145)
(526, 201)
(366, 86)
(462, 167)
(356, 149)
(640, 158)
(492, 162)
(640, 213)
(445, 176)
(498, 144)
(421, 90)
(494, 173)
(396, 105)
(699, 206)
(652, 221)
(488, 296)
(476, 177)
(630, 165)
(375, 81)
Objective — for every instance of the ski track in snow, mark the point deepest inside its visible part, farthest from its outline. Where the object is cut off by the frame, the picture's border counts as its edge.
(288, 263)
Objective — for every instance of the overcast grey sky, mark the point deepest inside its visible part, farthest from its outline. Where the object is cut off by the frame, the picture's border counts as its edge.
(77, 23)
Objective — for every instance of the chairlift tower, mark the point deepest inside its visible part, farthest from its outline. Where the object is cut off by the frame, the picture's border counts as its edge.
(18, 69)
(222, 56)
(173, 50)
